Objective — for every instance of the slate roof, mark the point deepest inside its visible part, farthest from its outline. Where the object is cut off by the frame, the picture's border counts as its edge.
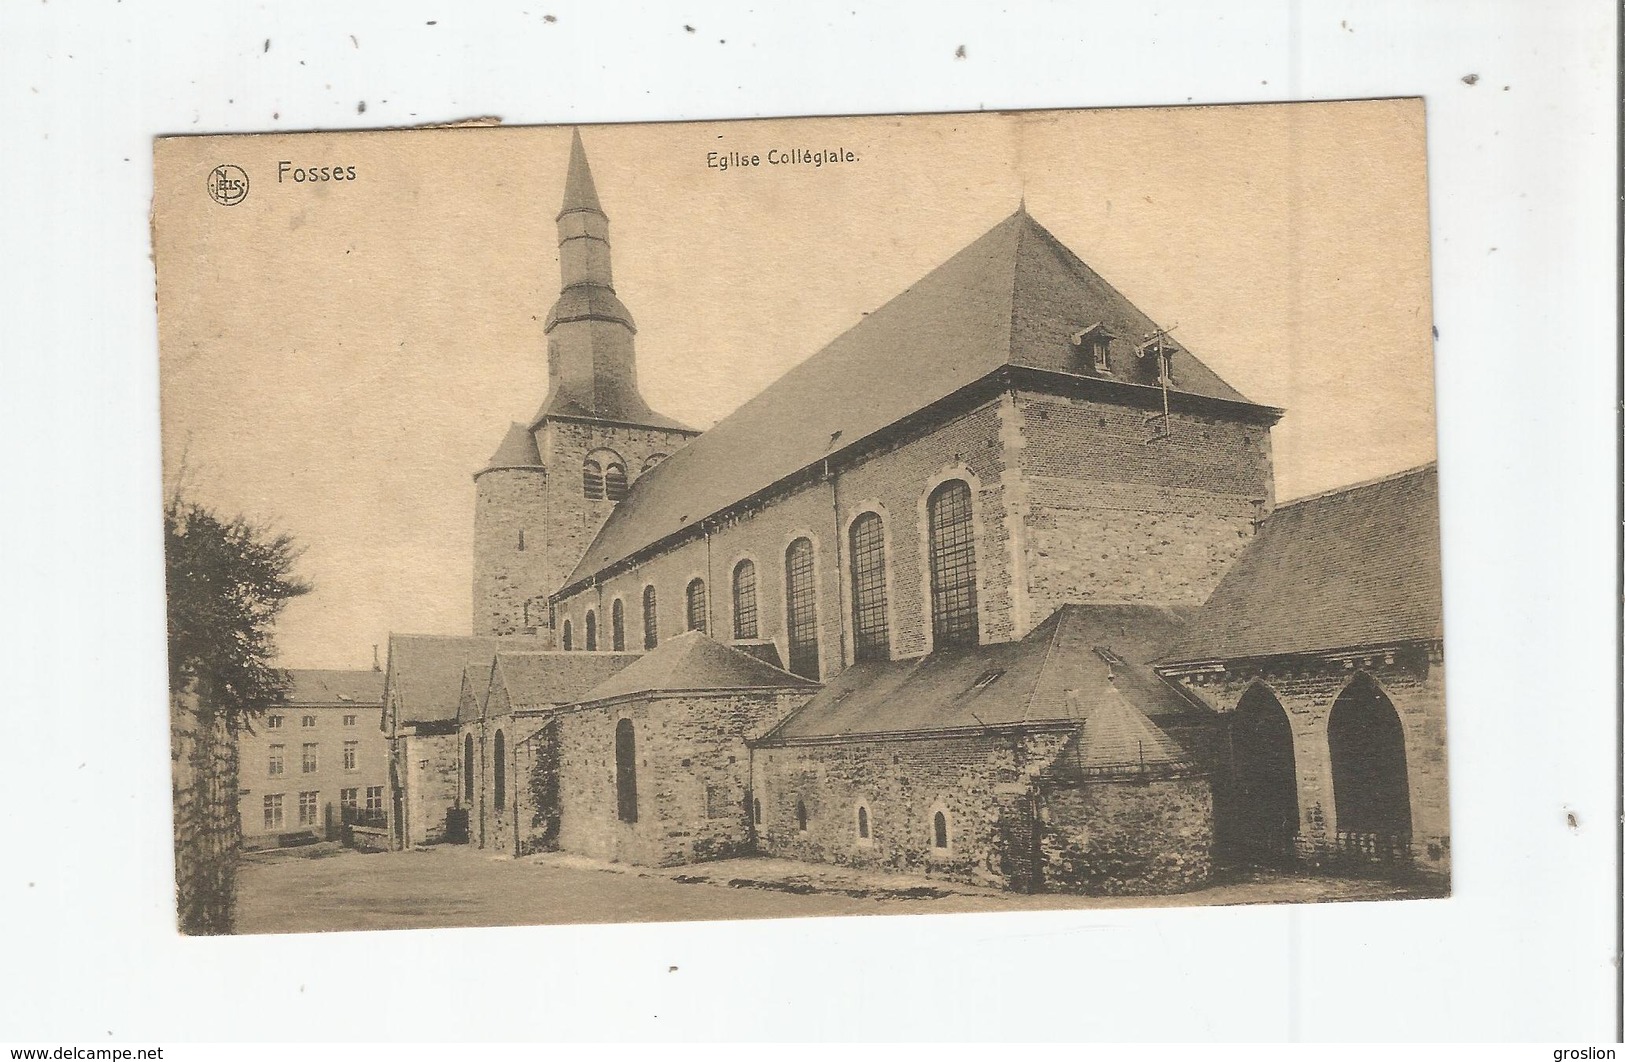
(540, 680)
(1118, 739)
(425, 672)
(694, 662)
(1352, 567)
(579, 191)
(518, 450)
(1013, 297)
(318, 687)
(1078, 661)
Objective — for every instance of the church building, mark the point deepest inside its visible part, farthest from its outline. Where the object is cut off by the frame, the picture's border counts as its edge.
(957, 595)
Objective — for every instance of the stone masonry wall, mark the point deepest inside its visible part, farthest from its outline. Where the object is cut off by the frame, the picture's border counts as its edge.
(431, 764)
(208, 836)
(1111, 515)
(1307, 688)
(510, 551)
(1127, 837)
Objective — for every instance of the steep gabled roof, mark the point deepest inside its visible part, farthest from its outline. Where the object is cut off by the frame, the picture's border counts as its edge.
(1352, 567)
(1079, 660)
(425, 673)
(319, 687)
(1013, 297)
(693, 662)
(540, 680)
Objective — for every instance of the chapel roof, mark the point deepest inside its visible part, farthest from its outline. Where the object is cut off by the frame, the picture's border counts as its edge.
(540, 680)
(1082, 660)
(1013, 297)
(425, 672)
(694, 662)
(1352, 567)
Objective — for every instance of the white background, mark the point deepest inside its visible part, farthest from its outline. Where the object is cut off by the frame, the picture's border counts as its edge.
(1523, 166)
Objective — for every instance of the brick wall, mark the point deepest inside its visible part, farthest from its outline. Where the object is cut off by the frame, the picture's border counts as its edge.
(1127, 837)
(203, 791)
(1307, 688)
(1109, 514)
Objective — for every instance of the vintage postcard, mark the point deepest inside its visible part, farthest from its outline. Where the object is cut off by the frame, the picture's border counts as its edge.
(895, 514)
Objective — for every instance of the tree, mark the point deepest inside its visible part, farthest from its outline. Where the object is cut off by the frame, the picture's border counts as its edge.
(228, 580)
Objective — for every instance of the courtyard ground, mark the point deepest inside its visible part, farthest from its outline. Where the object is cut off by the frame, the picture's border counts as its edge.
(325, 887)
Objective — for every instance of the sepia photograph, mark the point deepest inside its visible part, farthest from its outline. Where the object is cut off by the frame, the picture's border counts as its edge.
(906, 514)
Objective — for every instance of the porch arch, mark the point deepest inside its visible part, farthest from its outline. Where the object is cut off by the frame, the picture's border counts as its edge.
(1256, 818)
(1370, 776)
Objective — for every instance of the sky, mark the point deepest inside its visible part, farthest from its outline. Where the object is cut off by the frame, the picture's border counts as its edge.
(338, 357)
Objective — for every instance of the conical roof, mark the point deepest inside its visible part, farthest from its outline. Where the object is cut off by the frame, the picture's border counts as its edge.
(694, 662)
(1118, 738)
(518, 450)
(579, 191)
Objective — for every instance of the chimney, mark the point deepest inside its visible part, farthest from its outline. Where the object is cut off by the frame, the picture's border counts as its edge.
(375, 666)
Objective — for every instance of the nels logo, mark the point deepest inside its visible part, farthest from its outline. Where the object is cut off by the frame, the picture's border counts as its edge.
(228, 185)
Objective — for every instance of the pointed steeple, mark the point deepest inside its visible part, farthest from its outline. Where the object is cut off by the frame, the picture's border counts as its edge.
(579, 191)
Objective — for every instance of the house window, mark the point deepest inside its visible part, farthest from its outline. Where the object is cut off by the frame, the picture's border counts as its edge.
(801, 816)
(273, 722)
(863, 824)
(569, 641)
(871, 639)
(351, 749)
(617, 626)
(745, 600)
(626, 772)
(499, 772)
(953, 565)
(273, 764)
(615, 481)
(939, 831)
(592, 631)
(307, 758)
(801, 608)
(349, 720)
(468, 768)
(307, 720)
(651, 625)
(592, 479)
(273, 811)
(1098, 353)
(347, 798)
(375, 798)
(696, 605)
(309, 812)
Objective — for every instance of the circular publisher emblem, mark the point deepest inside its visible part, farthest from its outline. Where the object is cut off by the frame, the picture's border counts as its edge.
(228, 185)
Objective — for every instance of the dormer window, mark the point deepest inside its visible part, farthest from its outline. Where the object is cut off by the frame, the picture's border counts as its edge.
(1094, 346)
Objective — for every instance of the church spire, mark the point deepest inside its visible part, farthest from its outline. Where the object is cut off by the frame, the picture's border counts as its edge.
(579, 191)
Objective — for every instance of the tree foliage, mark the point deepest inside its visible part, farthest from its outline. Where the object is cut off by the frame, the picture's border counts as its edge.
(228, 580)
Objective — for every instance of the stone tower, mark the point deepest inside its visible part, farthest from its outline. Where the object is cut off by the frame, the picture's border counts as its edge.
(550, 485)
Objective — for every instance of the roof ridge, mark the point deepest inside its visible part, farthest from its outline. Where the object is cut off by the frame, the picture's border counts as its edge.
(1043, 668)
(1349, 488)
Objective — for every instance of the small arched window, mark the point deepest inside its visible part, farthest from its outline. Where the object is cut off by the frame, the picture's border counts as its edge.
(697, 607)
(745, 626)
(626, 772)
(592, 479)
(953, 565)
(468, 768)
(617, 626)
(801, 816)
(592, 631)
(939, 831)
(801, 608)
(499, 772)
(651, 619)
(871, 638)
(615, 482)
(568, 641)
(863, 823)
(756, 810)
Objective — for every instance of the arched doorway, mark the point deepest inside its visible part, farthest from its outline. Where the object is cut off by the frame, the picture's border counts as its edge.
(1256, 817)
(1370, 785)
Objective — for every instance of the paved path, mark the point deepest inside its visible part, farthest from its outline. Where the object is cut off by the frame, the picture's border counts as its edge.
(327, 888)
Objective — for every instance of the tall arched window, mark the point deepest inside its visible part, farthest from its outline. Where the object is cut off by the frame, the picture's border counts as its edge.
(614, 481)
(499, 771)
(801, 608)
(863, 823)
(592, 631)
(745, 600)
(617, 626)
(651, 619)
(568, 642)
(626, 772)
(953, 565)
(696, 605)
(592, 479)
(468, 768)
(939, 830)
(871, 639)
(801, 816)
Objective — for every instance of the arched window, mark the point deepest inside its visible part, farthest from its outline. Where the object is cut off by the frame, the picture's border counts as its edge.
(468, 768)
(696, 605)
(871, 639)
(652, 460)
(863, 823)
(626, 772)
(745, 600)
(617, 626)
(499, 771)
(756, 810)
(569, 642)
(939, 831)
(801, 816)
(592, 631)
(592, 479)
(801, 608)
(614, 482)
(651, 619)
(953, 565)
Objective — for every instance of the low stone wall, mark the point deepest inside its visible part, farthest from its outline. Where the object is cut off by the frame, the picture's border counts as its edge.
(368, 838)
(1120, 837)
